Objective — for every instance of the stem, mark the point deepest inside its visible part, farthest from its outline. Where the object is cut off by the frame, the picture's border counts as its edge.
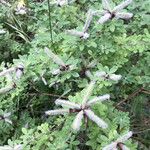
(50, 21)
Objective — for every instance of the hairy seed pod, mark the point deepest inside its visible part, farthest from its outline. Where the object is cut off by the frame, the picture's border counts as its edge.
(121, 6)
(57, 112)
(90, 114)
(77, 121)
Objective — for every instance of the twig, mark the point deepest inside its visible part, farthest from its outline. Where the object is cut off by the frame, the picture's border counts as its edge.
(142, 131)
(130, 96)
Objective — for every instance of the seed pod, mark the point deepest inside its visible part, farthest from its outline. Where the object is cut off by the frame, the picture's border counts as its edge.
(98, 99)
(66, 103)
(57, 112)
(111, 146)
(80, 34)
(19, 71)
(88, 93)
(115, 77)
(104, 18)
(77, 121)
(125, 16)
(90, 114)
(125, 137)
(88, 20)
(121, 6)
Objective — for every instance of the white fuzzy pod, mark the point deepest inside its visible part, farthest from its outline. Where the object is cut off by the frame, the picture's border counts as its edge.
(98, 99)
(9, 78)
(21, 11)
(111, 146)
(115, 77)
(18, 147)
(10, 70)
(54, 57)
(88, 20)
(122, 5)
(7, 114)
(19, 71)
(6, 147)
(80, 34)
(62, 2)
(124, 147)
(85, 36)
(88, 93)
(77, 121)
(100, 74)
(104, 18)
(56, 71)
(8, 120)
(57, 112)
(88, 73)
(90, 114)
(125, 16)
(106, 5)
(6, 89)
(125, 137)
(5, 3)
(67, 104)
(2, 31)
(98, 12)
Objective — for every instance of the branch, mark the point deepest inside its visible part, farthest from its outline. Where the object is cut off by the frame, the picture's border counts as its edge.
(130, 96)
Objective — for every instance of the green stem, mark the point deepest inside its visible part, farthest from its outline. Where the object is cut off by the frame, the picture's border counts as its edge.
(50, 21)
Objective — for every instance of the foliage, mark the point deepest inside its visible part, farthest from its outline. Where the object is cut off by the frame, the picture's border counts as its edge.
(118, 46)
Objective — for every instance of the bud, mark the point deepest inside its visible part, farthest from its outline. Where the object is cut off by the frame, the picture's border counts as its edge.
(104, 18)
(90, 114)
(98, 99)
(57, 112)
(65, 103)
(77, 121)
(121, 6)
(125, 16)
(115, 77)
